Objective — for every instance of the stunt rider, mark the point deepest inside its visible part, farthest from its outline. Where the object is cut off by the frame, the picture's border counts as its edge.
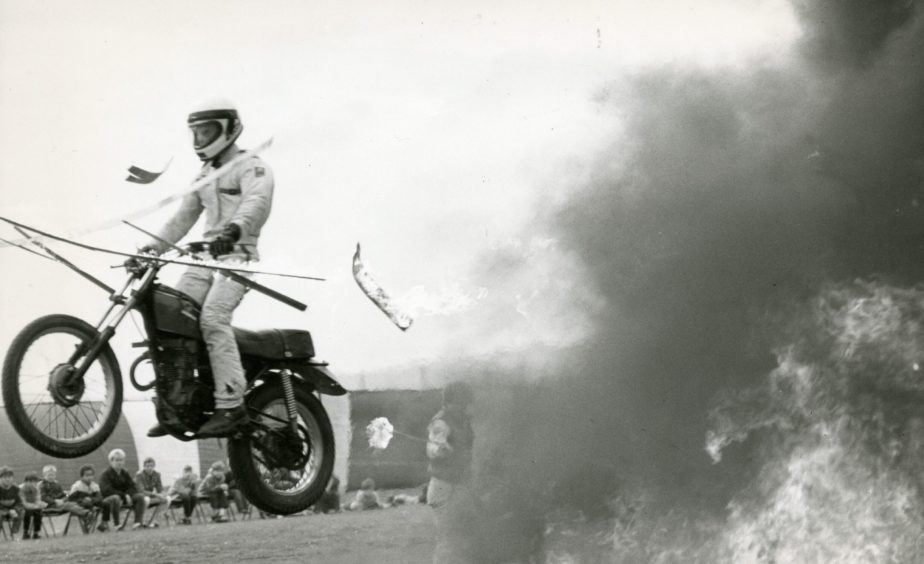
(236, 206)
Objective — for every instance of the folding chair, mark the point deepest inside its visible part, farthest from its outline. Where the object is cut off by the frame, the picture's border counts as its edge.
(124, 513)
(234, 507)
(200, 513)
(48, 515)
(172, 501)
(156, 505)
(90, 522)
(9, 527)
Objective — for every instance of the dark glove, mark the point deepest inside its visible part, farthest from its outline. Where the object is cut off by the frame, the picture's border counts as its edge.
(132, 264)
(224, 243)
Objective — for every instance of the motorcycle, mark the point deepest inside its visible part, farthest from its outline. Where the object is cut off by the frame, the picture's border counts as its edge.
(62, 387)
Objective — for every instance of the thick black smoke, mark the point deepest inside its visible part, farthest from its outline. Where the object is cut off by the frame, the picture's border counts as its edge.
(728, 199)
(850, 33)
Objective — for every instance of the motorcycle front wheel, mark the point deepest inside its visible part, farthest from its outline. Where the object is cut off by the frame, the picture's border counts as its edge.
(278, 472)
(54, 415)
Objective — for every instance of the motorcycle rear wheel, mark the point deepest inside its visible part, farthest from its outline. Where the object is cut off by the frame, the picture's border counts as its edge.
(61, 421)
(283, 488)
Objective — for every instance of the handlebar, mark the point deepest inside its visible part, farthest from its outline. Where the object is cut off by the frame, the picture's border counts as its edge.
(191, 248)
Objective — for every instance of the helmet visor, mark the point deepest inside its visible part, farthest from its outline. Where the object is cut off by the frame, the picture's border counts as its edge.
(204, 133)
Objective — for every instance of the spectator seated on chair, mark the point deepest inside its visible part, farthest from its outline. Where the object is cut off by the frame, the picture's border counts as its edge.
(184, 489)
(10, 502)
(150, 486)
(118, 488)
(33, 506)
(214, 488)
(330, 499)
(85, 492)
(366, 498)
(53, 494)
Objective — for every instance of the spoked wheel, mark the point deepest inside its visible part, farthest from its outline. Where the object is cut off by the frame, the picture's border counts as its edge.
(281, 472)
(53, 413)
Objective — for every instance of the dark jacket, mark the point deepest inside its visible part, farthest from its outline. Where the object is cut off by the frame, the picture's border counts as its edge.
(449, 446)
(9, 497)
(51, 491)
(117, 483)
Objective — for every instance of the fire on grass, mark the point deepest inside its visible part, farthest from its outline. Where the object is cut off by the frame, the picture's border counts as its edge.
(838, 427)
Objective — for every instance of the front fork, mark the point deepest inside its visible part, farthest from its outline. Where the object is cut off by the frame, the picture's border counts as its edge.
(87, 358)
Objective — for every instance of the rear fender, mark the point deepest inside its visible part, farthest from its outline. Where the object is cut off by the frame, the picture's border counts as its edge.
(316, 375)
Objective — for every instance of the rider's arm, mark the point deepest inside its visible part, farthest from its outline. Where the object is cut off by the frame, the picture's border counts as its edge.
(182, 221)
(256, 197)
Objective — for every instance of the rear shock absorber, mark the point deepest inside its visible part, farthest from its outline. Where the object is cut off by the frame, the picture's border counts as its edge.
(289, 392)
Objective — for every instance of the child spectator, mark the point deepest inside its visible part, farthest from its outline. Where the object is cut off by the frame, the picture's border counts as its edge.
(184, 488)
(213, 487)
(85, 493)
(32, 507)
(53, 494)
(366, 498)
(149, 484)
(10, 502)
(330, 499)
(118, 488)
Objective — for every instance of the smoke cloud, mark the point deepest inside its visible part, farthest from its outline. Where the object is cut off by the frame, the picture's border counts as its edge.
(727, 201)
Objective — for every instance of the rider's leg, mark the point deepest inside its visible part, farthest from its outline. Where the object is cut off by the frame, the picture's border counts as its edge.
(196, 283)
(215, 321)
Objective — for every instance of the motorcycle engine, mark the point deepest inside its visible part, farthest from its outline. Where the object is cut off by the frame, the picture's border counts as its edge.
(184, 384)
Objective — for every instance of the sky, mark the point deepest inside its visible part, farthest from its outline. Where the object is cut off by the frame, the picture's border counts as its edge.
(431, 132)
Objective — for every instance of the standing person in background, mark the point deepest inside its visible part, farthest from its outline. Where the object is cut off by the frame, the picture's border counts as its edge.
(118, 489)
(33, 506)
(449, 449)
(10, 502)
(184, 488)
(149, 484)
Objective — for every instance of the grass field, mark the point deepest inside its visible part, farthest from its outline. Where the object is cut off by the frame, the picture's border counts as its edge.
(396, 535)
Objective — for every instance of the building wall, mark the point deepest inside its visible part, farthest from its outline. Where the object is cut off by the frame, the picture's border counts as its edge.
(22, 458)
(404, 463)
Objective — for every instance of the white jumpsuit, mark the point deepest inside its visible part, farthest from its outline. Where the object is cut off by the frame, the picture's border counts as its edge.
(243, 196)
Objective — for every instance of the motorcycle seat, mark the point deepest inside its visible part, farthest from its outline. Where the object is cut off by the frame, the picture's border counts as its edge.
(275, 344)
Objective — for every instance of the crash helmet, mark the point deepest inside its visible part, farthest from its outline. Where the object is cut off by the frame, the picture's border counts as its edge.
(213, 125)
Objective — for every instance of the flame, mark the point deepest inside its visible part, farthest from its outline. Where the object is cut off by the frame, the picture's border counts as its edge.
(840, 481)
(841, 439)
(380, 431)
(448, 300)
